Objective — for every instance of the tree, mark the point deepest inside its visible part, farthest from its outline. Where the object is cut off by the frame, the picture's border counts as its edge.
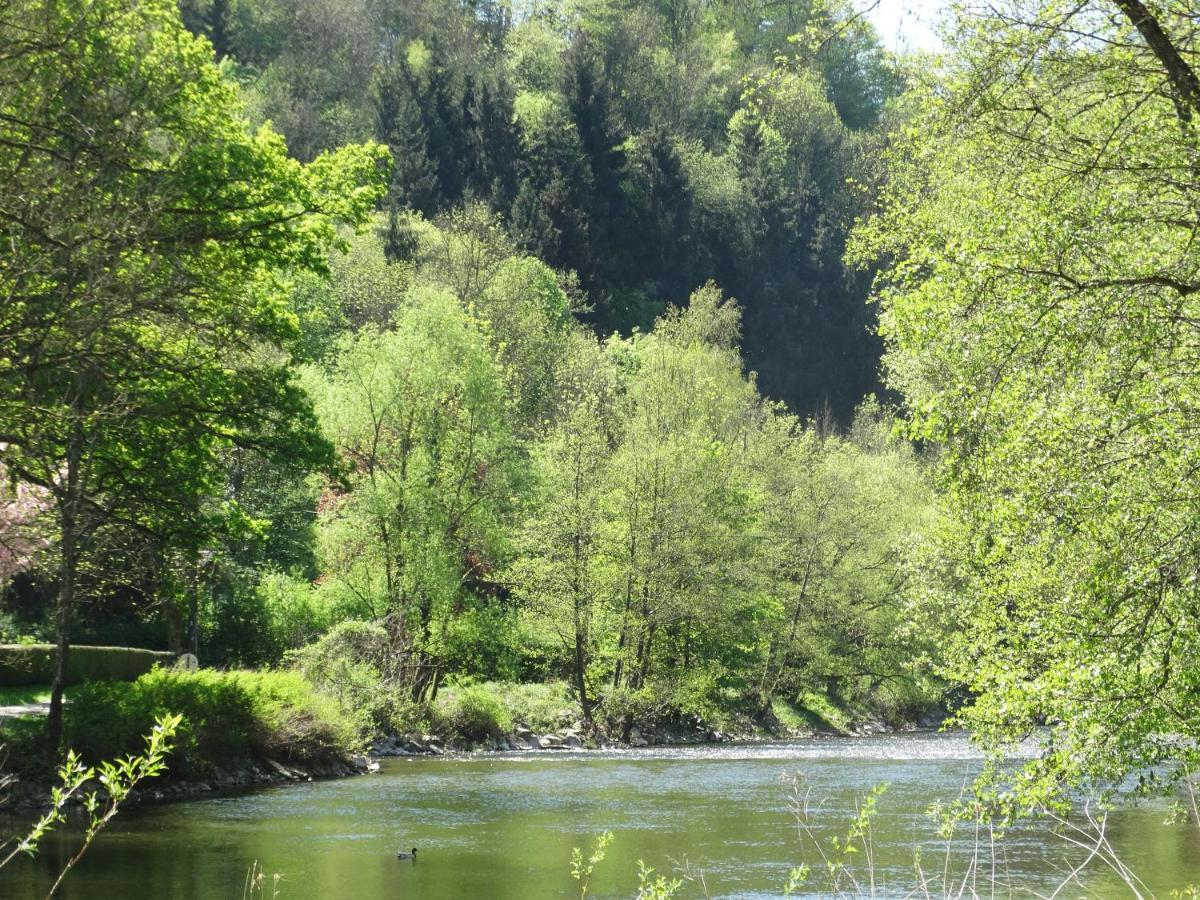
(143, 313)
(837, 514)
(1040, 311)
(417, 415)
(677, 504)
(561, 571)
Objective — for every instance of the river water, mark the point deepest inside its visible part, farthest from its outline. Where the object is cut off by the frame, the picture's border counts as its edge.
(504, 825)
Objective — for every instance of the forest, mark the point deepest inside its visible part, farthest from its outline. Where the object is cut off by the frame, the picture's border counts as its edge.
(701, 360)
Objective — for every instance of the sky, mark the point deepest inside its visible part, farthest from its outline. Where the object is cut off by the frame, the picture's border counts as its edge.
(906, 24)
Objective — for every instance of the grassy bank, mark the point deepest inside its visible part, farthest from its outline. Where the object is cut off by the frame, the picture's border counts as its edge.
(230, 719)
(227, 716)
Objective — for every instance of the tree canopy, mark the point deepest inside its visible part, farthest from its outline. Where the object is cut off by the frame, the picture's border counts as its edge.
(148, 234)
(1040, 317)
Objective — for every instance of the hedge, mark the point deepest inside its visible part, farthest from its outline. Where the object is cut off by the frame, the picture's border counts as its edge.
(29, 664)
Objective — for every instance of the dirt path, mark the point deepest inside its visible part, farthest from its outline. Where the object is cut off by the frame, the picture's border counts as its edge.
(24, 709)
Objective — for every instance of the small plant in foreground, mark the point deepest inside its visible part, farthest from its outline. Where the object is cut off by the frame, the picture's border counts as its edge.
(256, 883)
(581, 871)
(651, 888)
(117, 778)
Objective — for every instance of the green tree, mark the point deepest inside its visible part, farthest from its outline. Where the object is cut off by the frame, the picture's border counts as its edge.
(837, 517)
(1040, 314)
(418, 416)
(145, 233)
(562, 573)
(677, 504)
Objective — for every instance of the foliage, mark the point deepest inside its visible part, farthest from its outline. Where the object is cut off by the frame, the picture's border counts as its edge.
(540, 707)
(117, 780)
(474, 713)
(582, 871)
(683, 534)
(1039, 310)
(148, 234)
(402, 458)
(226, 716)
(596, 133)
(353, 663)
(418, 415)
(652, 888)
(836, 532)
(247, 623)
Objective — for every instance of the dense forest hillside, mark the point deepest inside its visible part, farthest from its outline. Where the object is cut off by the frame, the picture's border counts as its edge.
(647, 147)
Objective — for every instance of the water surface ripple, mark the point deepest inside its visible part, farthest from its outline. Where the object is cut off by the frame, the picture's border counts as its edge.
(503, 826)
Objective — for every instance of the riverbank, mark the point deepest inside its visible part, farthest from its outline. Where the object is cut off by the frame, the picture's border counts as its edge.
(245, 730)
(241, 775)
(680, 734)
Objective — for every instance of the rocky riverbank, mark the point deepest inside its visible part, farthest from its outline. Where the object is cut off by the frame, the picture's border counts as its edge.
(234, 777)
(246, 774)
(576, 737)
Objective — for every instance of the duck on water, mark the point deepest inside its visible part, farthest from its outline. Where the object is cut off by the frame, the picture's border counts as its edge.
(403, 855)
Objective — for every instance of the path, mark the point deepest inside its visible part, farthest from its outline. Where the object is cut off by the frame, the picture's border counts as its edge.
(25, 709)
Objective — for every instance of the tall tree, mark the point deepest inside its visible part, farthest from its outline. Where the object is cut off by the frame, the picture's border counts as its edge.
(677, 504)
(143, 310)
(417, 414)
(1041, 318)
(562, 573)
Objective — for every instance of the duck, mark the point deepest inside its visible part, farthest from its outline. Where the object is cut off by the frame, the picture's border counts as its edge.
(403, 855)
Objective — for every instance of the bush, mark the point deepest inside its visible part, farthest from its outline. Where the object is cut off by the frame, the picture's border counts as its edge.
(696, 694)
(622, 707)
(474, 714)
(227, 716)
(542, 707)
(22, 664)
(348, 663)
(294, 609)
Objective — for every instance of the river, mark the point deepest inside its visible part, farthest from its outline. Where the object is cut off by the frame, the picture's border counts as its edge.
(503, 826)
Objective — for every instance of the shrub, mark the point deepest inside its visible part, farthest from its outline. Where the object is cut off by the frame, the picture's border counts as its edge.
(542, 707)
(22, 664)
(226, 716)
(622, 707)
(295, 611)
(475, 713)
(348, 663)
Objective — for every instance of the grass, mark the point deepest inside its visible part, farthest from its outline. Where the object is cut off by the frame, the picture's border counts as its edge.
(228, 717)
(789, 716)
(820, 712)
(19, 696)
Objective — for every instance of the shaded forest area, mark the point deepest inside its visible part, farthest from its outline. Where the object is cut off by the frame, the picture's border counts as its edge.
(632, 143)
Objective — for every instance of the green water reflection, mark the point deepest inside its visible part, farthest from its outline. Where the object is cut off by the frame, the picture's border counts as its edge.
(503, 826)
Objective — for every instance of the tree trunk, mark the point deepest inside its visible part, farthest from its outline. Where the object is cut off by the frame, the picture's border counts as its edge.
(1184, 81)
(62, 625)
(175, 625)
(623, 634)
(581, 675)
(54, 724)
(193, 619)
(644, 667)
